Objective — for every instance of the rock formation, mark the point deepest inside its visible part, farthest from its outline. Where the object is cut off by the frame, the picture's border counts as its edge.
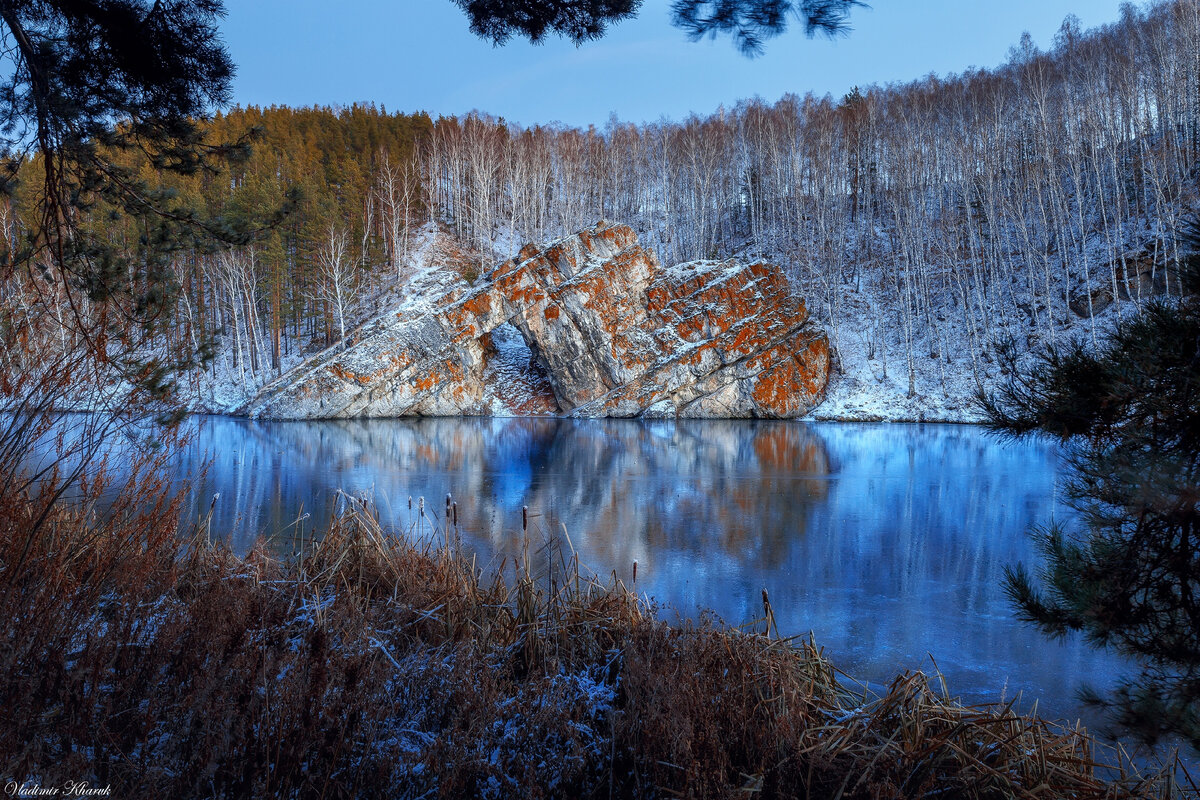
(1134, 275)
(590, 326)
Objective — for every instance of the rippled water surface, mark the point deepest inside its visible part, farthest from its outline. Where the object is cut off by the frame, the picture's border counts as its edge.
(888, 542)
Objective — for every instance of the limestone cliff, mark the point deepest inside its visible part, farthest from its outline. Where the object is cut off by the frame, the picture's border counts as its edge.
(590, 326)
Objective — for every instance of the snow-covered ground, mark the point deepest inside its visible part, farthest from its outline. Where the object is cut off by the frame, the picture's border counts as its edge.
(860, 389)
(874, 386)
(870, 380)
(222, 388)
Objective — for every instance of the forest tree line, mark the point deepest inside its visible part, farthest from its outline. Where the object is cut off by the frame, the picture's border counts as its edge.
(945, 213)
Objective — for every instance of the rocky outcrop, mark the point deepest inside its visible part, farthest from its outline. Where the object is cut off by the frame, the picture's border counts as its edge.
(1134, 275)
(590, 326)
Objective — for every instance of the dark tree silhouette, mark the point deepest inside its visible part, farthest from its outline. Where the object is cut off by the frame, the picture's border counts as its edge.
(1130, 415)
(578, 20)
(749, 22)
(87, 81)
(87, 88)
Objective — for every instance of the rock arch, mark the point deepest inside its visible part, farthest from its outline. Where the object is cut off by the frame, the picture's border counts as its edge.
(613, 332)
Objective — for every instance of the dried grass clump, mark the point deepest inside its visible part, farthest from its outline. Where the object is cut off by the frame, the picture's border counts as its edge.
(369, 665)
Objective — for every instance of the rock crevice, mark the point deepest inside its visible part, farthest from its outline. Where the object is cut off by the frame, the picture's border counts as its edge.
(602, 330)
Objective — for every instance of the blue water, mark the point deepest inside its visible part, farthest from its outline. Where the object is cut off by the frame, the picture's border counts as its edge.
(887, 542)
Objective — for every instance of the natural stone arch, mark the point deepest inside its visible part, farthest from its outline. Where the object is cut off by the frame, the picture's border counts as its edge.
(616, 333)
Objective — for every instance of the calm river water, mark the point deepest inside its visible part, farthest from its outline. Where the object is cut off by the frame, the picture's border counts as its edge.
(888, 542)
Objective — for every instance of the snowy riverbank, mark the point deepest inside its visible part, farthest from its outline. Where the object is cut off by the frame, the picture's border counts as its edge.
(877, 374)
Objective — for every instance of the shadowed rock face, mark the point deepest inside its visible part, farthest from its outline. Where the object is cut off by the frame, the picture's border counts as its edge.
(590, 326)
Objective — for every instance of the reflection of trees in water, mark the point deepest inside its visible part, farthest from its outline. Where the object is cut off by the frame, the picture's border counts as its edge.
(910, 513)
(932, 503)
(907, 506)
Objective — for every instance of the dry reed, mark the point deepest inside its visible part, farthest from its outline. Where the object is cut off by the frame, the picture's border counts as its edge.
(368, 665)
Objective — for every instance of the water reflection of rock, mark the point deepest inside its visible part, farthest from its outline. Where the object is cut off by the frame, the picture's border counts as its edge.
(889, 541)
(638, 491)
(625, 490)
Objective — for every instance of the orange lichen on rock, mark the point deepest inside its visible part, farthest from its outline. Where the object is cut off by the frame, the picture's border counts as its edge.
(478, 305)
(605, 331)
(346, 375)
(427, 381)
(776, 387)
(817, 352)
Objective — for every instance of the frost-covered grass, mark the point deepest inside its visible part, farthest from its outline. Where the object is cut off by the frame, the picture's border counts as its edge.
(375, 665)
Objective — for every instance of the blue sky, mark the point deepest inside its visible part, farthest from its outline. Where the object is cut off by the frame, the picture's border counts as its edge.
(411, 55)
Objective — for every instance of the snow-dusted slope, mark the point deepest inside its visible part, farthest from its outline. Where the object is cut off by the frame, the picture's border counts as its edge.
(614, 333)
(876, 374)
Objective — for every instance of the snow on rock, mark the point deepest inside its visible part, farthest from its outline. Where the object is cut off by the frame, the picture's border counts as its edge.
(591, 326)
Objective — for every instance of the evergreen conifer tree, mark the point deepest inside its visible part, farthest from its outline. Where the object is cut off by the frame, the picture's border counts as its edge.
(749, 22)
(1129, 415)
(105, 102)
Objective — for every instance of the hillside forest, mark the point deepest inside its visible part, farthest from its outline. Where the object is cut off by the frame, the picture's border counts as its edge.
(926, 223)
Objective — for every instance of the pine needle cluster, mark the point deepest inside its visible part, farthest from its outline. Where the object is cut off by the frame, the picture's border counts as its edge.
(1129, 411)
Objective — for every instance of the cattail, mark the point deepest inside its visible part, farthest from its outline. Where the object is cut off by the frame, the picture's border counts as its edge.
(410, 502)
(524, 518)
(454, 509)
(421, 506)
(635, 570)
(769, 614)
(448, 503)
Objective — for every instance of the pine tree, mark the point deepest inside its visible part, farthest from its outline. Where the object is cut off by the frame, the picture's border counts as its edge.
(749, 22)
(106, 107)
(1129, 413)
